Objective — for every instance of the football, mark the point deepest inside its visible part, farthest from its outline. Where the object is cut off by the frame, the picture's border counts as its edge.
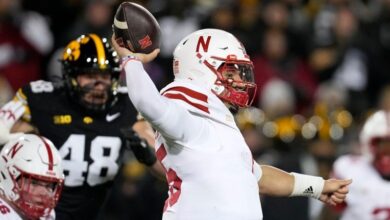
(136, 28)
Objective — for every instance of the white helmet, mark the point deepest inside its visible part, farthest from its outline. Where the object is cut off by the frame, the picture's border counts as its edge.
(205, 54)
(31, 175)
(377, 128)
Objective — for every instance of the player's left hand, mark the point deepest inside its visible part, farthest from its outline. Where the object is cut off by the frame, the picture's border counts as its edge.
(335, 191)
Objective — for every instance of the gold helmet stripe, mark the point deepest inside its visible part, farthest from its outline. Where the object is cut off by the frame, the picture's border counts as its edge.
(101, 55)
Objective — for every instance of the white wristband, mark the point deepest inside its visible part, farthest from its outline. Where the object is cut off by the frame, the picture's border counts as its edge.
(126, 59)
(306, 185)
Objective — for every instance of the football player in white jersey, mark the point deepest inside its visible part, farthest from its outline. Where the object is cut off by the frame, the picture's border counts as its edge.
(31, 178)
(369, 196)
(208, 165)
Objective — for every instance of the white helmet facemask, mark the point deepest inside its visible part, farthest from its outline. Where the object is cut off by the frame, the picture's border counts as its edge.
(217, 60)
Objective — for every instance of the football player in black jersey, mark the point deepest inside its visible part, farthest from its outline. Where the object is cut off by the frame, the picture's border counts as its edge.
(84, 119)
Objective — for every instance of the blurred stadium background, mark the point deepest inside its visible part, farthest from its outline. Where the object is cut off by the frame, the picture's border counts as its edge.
(321, 67)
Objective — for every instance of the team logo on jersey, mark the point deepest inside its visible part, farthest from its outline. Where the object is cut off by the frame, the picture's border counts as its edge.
(62, 119)
(87, 120)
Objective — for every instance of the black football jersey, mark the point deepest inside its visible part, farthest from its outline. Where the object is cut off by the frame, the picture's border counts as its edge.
(90, 145)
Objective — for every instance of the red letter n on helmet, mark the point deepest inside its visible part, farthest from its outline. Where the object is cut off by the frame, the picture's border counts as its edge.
(201, 42)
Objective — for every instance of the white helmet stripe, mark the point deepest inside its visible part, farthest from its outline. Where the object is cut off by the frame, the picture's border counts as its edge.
(120, 24)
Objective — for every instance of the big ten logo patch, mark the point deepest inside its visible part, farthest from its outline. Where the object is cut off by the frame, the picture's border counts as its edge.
(62, 119)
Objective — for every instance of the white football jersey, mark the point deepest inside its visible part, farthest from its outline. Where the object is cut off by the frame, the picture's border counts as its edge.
(7, 212)
(369, 193)
(209, 167)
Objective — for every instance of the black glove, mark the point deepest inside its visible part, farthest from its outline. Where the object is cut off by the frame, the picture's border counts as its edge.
(142, 151)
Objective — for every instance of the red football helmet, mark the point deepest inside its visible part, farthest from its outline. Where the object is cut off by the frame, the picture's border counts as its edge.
(217, 60)
(375, 138)
(31, 176)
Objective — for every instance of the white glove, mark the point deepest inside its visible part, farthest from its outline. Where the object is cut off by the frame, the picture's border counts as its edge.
(36, 31)
(5, 134)
(9, 114)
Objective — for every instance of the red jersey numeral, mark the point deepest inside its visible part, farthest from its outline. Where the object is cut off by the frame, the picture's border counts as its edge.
(4, 209)
(174, 183)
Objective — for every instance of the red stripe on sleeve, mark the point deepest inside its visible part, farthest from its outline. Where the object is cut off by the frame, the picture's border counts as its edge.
(193, 94)
(183, 98)
(161, 153)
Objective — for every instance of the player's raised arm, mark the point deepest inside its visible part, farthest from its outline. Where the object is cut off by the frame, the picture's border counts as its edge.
(141, 89)
(164, 115)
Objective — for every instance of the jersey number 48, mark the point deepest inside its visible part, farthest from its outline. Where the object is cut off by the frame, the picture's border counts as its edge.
(104, 151)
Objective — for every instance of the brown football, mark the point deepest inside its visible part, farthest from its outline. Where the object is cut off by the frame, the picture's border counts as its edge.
(136, 28)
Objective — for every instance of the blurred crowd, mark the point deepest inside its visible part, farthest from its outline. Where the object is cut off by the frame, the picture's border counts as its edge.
(320, 66)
